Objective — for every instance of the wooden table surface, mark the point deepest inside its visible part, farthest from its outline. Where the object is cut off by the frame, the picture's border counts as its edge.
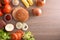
(47, 26)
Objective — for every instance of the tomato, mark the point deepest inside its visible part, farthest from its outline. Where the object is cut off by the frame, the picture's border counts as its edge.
(19, 35)
(7, 9)
(20, 31)
(1, 14)
(14, 36)
(6, 1)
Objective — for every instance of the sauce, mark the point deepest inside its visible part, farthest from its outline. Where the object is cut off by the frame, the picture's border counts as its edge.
(7, 17)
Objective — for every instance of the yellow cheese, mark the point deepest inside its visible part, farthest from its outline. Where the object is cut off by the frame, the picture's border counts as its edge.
(30, 2)
(25, 3)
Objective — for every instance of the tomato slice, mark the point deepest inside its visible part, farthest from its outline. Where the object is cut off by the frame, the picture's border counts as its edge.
(20, 31)
(14, 36)
(19, 35)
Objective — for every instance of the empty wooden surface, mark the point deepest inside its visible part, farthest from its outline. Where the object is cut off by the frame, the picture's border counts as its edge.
(47, 26)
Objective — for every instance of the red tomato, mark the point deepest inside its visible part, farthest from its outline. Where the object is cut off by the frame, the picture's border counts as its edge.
(1, 14)
(19, 35)
(20, 31)
(7, 9)
(14, 36)
(6, 1)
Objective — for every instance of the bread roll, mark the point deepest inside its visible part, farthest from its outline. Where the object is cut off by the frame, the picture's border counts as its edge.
(20, 14)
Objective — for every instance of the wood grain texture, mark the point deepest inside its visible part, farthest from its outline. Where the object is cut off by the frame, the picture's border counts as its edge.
(47, 26)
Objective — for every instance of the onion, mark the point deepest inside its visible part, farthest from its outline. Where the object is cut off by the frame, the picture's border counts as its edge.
(9, 27)
(40, 2)
(36, 11)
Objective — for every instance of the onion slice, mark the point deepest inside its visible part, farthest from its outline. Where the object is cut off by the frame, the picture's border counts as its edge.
(25, 27)
(18, 25)
(9, 27)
